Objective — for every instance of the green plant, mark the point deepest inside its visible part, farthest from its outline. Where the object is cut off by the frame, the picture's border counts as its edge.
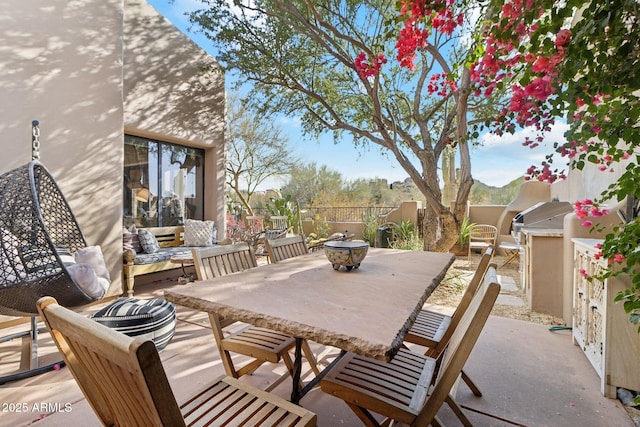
(406, 236)
(404, 230)
(412, 243)
(371, 222)
(285, 207)
(465, 227)
(321, 226)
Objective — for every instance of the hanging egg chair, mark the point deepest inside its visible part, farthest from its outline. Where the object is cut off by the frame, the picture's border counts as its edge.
(37, 227)
(38, 235)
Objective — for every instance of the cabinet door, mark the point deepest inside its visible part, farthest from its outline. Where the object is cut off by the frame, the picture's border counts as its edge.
(595, 325)
(588, 308)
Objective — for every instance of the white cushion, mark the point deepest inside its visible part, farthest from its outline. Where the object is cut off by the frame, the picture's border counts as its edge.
(198, 233)
(87, 280)
(92, 255)
(66, 257)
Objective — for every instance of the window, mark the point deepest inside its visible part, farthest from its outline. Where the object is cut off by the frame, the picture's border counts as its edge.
(163, 183)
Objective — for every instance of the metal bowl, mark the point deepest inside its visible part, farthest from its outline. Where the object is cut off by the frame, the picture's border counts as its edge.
(347, 254)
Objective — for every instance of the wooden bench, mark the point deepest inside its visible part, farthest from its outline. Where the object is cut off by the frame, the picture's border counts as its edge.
(171, 241)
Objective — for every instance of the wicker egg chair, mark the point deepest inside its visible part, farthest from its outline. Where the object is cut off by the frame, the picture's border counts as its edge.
(36, 224)
(36, 227)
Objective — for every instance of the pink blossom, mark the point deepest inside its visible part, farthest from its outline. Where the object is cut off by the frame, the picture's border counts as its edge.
(563, 37)
(542, 65)
(367, 69)
(584, 273)
(540, 88)
(587, 223)
(618, 258)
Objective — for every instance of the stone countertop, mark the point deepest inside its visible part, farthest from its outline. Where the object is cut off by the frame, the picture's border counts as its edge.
(367, 310)
(543, 232)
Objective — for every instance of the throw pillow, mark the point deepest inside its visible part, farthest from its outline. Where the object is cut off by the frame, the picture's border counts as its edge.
(198, 233)
(130, 239)
(127, 240)
(92, 255)
(148, 241)
(87, 280)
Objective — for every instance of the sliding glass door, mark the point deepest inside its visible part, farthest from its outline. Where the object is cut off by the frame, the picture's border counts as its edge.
(163, 183)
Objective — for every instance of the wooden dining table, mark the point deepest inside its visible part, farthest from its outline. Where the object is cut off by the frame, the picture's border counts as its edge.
(367, 310)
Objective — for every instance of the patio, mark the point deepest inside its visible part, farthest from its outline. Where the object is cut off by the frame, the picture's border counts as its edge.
(529, 376)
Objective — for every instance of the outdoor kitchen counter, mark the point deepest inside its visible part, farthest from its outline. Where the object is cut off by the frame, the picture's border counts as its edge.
(546, 232)
(542, 269)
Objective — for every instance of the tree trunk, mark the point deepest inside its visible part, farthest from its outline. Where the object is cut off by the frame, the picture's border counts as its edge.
(440, 230)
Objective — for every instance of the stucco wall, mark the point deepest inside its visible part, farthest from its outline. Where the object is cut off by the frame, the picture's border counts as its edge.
(57, 66)
(174, 92)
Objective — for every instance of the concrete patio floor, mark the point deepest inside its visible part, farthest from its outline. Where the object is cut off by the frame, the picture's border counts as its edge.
(529, 376)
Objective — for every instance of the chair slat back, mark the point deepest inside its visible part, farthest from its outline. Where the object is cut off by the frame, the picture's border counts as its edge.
(483, 232)
(289, 247)
(121, 377)
(278, 222)
(467, 297)
(222, 260)
(460, 345)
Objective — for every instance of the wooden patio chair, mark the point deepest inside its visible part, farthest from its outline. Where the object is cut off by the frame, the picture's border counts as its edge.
(481, 236)
(289, 247)
(433, 329)
(263, 345)
(402, 389)
(125, 383)
(279, 222)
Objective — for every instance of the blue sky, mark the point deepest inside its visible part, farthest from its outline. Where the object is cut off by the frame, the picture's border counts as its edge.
(496, 163)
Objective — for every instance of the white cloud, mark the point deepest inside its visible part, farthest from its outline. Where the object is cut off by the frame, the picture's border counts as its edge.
(290, 121)
(502, 159)
(554, 135)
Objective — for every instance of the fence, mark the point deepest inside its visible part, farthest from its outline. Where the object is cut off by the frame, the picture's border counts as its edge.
(345, 214)
(339, 214)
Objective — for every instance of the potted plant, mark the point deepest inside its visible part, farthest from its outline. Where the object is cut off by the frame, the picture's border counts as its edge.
(460, 248)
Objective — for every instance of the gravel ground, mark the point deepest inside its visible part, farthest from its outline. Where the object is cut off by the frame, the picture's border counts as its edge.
(452, 287)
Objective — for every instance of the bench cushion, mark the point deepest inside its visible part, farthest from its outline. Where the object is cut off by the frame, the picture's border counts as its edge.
(153, 319)
(163, 255)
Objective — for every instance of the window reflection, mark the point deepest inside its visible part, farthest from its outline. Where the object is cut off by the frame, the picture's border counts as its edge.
(162, 183)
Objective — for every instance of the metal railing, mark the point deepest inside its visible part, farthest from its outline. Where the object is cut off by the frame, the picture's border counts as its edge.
(339, 214)
(344, 214)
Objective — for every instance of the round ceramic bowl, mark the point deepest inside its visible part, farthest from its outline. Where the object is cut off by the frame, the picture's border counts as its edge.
(347, 254)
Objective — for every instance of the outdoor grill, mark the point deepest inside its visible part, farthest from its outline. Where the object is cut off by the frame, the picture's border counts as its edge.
(543, 215)
(539, 232)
